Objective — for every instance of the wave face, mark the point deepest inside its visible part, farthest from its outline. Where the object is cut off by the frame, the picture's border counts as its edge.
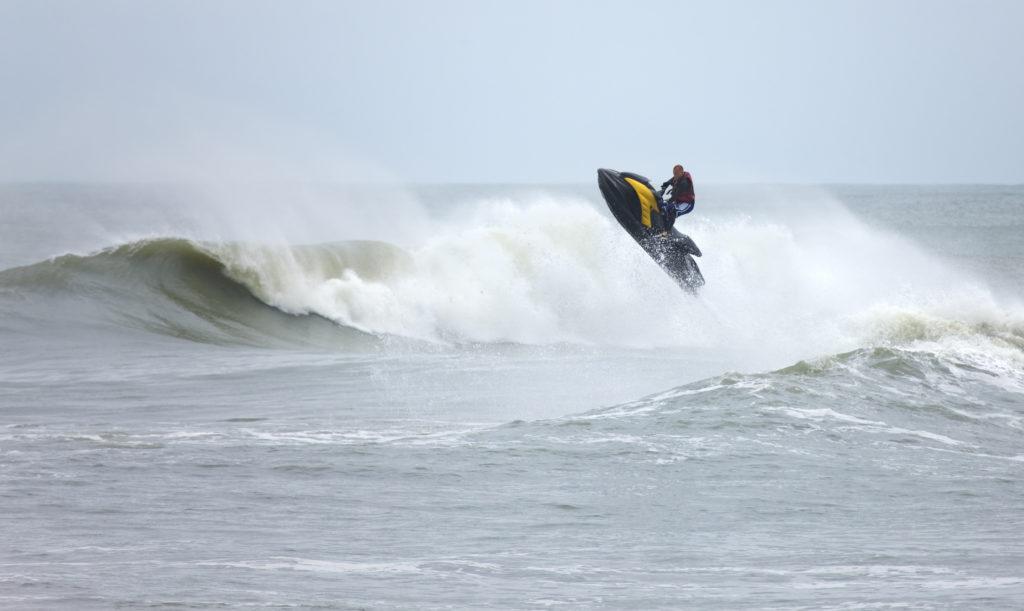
(168, 286)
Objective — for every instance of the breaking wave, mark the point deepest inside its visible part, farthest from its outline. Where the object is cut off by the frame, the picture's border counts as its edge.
(550, 272)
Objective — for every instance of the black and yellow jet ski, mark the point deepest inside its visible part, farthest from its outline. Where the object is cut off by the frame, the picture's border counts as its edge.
(636, 205)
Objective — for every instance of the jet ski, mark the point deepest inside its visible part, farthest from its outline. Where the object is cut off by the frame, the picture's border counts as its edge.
(636, 205)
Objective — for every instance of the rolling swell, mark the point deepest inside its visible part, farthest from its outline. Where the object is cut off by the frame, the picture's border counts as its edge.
(176, 287)
(875, 404)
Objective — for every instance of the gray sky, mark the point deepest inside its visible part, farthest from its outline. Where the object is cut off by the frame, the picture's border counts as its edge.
(786, 91)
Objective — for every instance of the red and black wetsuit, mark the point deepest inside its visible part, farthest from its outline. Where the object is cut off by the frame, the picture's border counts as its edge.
(683, 198)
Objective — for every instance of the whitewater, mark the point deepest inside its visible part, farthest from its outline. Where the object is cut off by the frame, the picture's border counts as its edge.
(484, 396)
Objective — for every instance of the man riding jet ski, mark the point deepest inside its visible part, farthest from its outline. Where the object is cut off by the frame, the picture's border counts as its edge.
(677, 193)
(637, 206)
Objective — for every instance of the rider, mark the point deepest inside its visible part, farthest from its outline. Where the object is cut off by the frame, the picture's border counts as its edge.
(680, 199)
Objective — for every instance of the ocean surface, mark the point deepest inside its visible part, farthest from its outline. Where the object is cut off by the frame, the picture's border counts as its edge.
(459, 396)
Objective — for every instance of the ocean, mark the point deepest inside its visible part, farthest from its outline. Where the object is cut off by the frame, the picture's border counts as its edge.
(466, 396)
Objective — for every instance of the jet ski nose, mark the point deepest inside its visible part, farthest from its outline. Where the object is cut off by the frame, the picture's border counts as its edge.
(605, 177)
(609, 182)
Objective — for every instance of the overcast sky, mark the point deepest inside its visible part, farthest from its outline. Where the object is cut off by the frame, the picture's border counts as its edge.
(517, 91)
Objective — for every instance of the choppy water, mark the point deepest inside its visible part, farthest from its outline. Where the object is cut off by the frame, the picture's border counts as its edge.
(490, 397)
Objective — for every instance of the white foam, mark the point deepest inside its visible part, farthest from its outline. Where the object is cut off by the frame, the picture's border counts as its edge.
(319, 566)
(408, 437)
(819, 415)
(554, 270)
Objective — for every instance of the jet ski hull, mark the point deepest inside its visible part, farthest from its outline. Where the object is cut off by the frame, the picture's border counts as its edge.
(636, 206)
